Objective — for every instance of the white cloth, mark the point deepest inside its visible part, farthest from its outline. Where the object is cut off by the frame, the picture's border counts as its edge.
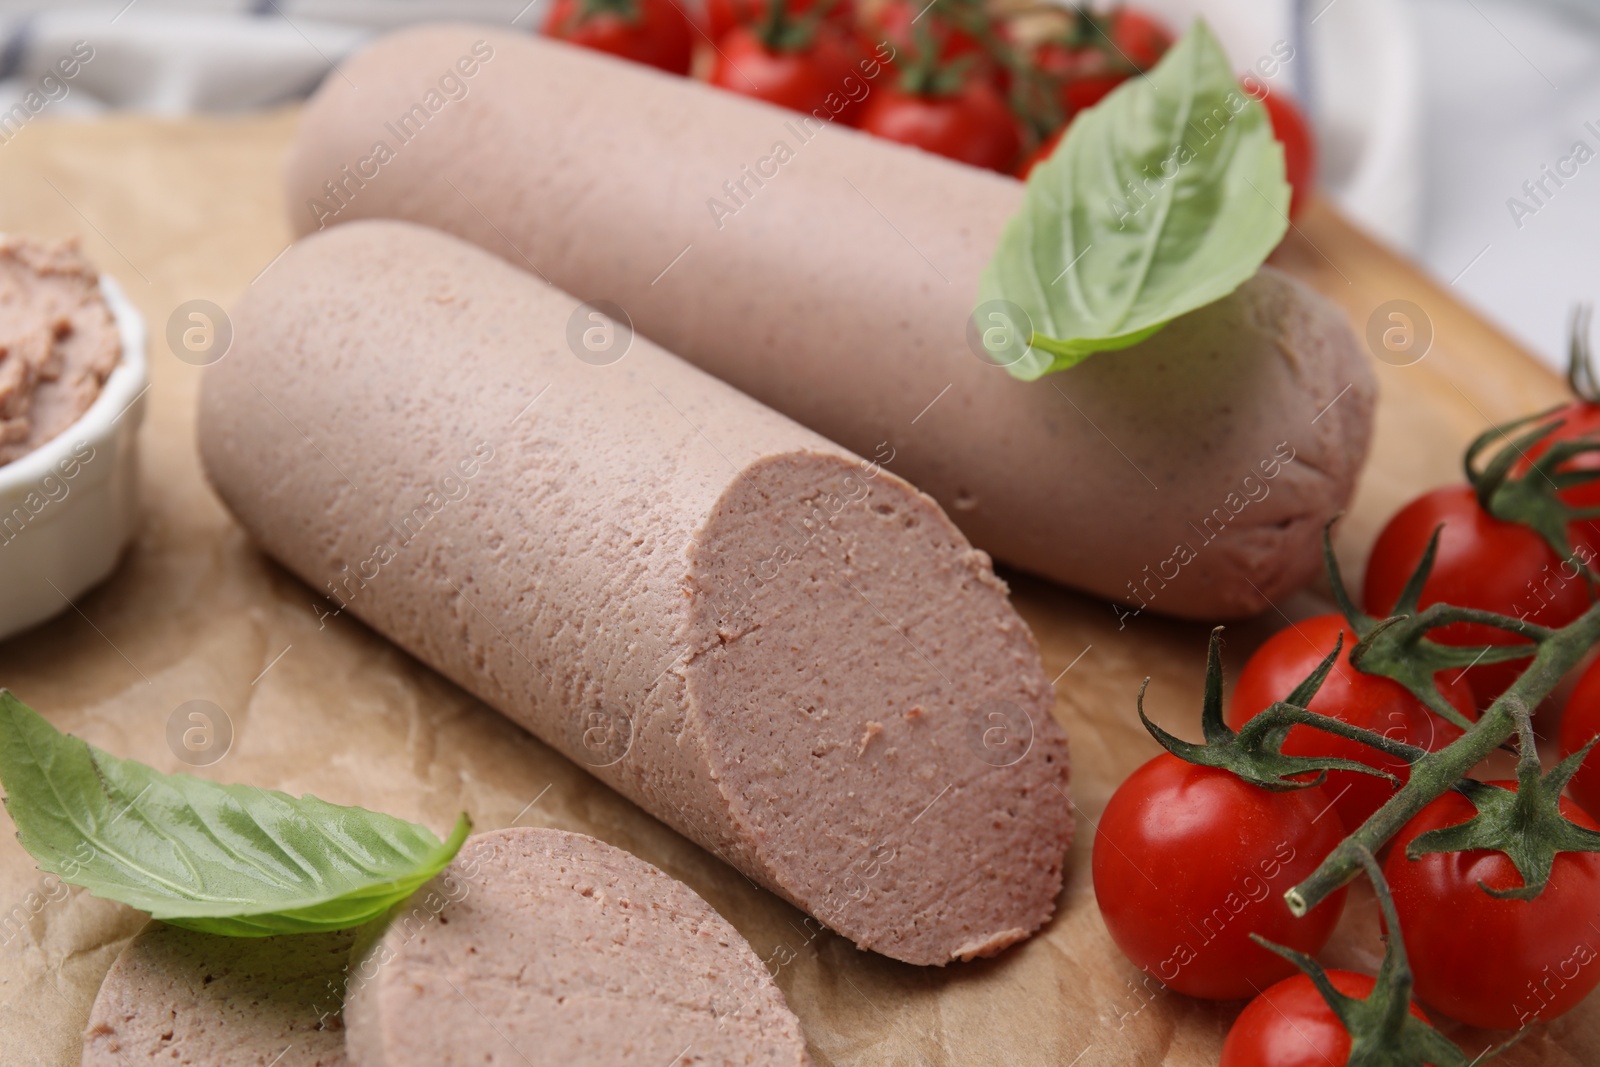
(173, 58)
(1510, 86)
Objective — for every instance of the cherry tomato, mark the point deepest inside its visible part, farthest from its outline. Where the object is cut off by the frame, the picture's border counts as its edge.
(1139, 38)
(1290, 1025)
(1089, 73)
(900, 22)
(1579, 723)
(653, 32)
(1482, 563)
(1293, 131)
(725, 15)
(1081, 93)
(1366, 700)
(1040, 154)
(820, 79)
(1189, 861)
(973, 126)
(1579, 419)
(1498, 964)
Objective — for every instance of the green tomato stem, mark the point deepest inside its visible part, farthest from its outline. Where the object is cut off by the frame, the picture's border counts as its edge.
(1435, 773)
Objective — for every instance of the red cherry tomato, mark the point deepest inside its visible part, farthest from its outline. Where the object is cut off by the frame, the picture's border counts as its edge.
(1498, 964)
(725, 15)
(1139, 38)
(1190, 861)
(1290, 1025)
(1290, 127)
(1579, 419)
(1482, 563)
(973, 126)
(820, 80)
(1366, 700)
(653, 32)
(1579, 723)
(1040, 154)
(1086, 92)
(1086, 75)
(901, 21)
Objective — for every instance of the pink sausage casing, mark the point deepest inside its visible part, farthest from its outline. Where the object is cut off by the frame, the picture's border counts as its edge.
(783, 651)
(831, 275)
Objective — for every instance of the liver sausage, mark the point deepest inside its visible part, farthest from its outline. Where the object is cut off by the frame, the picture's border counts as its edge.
(832, 275)
(554, 948)
(199, 1000)
(780, 649)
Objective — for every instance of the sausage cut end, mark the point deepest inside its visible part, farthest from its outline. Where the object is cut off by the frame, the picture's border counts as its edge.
(874, 711)
(542, 946)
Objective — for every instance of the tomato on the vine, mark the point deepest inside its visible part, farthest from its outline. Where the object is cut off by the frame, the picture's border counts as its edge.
(1088, 71)
(901, 22)
(1580, 722)
(653, 32)
(972, 125)
(1374, 703)
(1087, 91)
(1579, 419)
(725, 15)
(1482, 563)
(1290, 1025)
(1139, 38)
(1189, 861)
(815, 77)
(1039, 154)
(1498, 964)
(1293, 131)
(1086, 75)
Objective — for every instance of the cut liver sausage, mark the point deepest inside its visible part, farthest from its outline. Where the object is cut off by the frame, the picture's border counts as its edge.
(831, 275)
(200, 1000)
(783, 651)
(554, 948)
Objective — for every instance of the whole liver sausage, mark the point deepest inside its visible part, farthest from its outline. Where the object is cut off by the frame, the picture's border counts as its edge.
(831, 275)
(554, 948)
(784, 652)
(184, 998)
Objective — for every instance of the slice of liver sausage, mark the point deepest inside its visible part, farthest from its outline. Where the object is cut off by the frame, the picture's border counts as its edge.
(783, 651)
(544, 947)
(832, 276)
(199, 1000)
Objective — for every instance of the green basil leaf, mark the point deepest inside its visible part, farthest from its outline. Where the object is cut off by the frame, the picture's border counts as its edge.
(1163, 198)
(221, 859)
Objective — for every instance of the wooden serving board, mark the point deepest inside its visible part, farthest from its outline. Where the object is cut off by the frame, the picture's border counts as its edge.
(192, 209)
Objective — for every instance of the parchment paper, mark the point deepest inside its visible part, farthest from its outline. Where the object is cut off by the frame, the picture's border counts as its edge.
(180, 211)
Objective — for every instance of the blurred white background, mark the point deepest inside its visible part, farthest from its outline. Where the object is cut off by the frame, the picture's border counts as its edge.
(1507, 86)
(1431, 114)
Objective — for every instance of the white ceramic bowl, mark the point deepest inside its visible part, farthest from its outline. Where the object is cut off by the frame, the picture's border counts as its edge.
(69, 507)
